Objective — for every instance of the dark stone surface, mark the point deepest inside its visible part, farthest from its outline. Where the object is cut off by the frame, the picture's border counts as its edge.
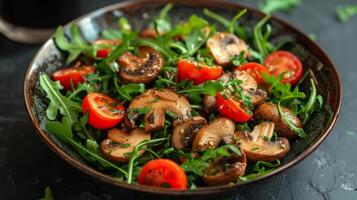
(27, 166)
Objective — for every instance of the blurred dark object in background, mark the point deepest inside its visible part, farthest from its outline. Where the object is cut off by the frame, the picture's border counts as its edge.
(33, 21)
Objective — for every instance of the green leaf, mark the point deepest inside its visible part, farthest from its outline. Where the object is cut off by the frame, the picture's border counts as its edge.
(260, 168)
(112, 34)
(209, 88)
(291, 125)
(344, 13)
(58, 101)
(232, 25)
(126, 92)
(280, 91)
(124, 25)
(270, 6)
(162, 21)
(261, 39)
(193, 22)
(48, 194)
(63, 131)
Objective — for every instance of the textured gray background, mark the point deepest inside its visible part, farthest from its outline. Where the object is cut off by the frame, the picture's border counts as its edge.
(27, 166)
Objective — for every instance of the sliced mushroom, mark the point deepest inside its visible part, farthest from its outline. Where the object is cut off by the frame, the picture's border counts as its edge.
(250, 87)
(211, 135)
(108, 42)
(257, 144)
(134, 69)
(224, 46)
(209, 104)
(185, 132)
(158, 103)
(119, 143)
(225, 170)
(269, 112)
(148, 33)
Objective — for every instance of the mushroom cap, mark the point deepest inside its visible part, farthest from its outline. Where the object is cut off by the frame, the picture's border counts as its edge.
(159, 103)
(250, 87)
(225, 170)
(134, 69)
(256, 145)
(185, 132)
(211, 135)
(107, 42)
(119, 143)
(269, 112)
(223, 46)
(209, 104)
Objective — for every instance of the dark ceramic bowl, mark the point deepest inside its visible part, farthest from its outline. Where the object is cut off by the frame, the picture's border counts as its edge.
(49, 58)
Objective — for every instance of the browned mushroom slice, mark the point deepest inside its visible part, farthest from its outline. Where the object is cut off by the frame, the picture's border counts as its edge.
(223, 46)
(211, 135)
(185, 132)
(149, 33)
(225, 170)
(119, 143)
(107, 42)
(257, 144)
(158, 103)
(250, 87)
(134, 69)
(209, 104)
(269, 112)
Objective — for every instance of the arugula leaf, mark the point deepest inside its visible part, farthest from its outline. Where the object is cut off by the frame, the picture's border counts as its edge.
(260, 168)
(124, 25)
(209, 88)
(197, 165)
(344, 13)
(291, 125)
(194, 40)
(232, 25)
(112, 34)
(125, 92)
(137, 111)
(162, 21)
(270, 6)
(48, 194)
(261, 40)
(74, 47)
(63, 131)
(309, 107)
(193, 22)
(194, 92)
(58, 101)
(136, 153)
(282, 92)
(81, 87)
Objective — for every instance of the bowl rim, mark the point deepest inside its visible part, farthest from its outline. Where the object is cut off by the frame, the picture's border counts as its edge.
(202, 190)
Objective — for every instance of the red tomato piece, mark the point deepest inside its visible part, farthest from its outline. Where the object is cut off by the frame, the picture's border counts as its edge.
(72, 75)
(104, 111)
(103, 53)
(255, 70)
(232, 109)
(280, 62)
(196, 72)
(163, 173)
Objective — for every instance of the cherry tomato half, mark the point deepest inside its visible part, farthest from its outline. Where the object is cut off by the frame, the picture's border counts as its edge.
(104, 112)
(232, 109)
(255, 70)
(163, 173)
(103, 53)
(72, 75)
(198, 73)
(280, 62)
